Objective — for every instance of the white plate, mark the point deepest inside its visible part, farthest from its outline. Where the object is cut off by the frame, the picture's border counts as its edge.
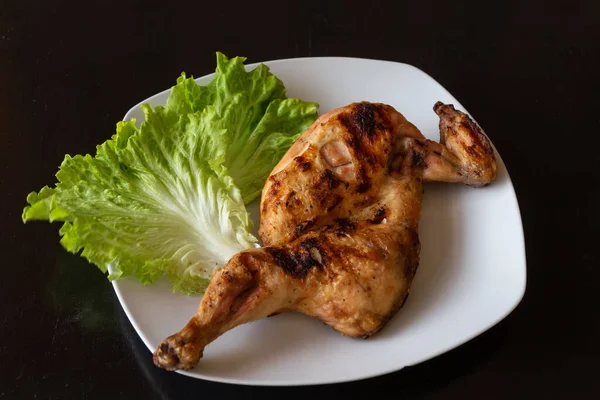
(472, 272)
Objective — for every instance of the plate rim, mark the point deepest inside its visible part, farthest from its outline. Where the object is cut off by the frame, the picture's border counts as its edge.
(458, 343)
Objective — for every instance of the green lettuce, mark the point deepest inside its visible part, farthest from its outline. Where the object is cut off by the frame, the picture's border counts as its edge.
(168, 198)
(261, 122)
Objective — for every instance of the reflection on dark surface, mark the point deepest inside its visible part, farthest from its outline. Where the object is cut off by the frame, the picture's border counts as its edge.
(143, 356)
(77, 293)
(167, 385)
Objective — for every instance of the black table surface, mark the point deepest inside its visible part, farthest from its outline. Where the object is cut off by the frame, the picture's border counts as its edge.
(528, 70)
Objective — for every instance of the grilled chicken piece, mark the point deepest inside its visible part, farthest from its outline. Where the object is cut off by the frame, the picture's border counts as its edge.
(339, 221)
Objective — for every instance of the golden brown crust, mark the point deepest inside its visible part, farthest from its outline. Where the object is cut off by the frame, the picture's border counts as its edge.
(305, 189)
(339, 218)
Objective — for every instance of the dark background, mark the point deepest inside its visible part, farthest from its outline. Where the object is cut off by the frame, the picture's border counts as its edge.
(528, 70)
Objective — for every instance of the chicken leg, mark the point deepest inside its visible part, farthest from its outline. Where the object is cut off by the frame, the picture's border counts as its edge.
(339, 221)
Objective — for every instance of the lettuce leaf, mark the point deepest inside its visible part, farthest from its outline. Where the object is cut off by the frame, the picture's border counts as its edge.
(169, 198)
(261, 123)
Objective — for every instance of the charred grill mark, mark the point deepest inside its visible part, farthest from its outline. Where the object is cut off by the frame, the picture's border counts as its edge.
(323, 193)
(299, 263)
(379, 216)
(360, 121)
(336, 201)
(345, 223)
(275, 186)
(363, 186)
(343, 226)
(306, 225)
(418, 160)
(363, 123)
(302, 163)
(310, 242)
(351, 142)
(364, 115)
(328, 178)
(285, 261)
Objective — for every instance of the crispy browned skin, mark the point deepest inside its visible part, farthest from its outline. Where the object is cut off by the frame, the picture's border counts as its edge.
(339, 219)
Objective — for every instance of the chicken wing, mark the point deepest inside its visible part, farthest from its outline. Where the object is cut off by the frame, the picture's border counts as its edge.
(339, 221)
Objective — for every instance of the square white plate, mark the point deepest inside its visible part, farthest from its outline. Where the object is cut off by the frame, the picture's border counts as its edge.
(472, 272)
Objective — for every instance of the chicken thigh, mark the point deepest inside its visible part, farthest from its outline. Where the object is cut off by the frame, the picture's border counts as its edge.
(339, 222)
